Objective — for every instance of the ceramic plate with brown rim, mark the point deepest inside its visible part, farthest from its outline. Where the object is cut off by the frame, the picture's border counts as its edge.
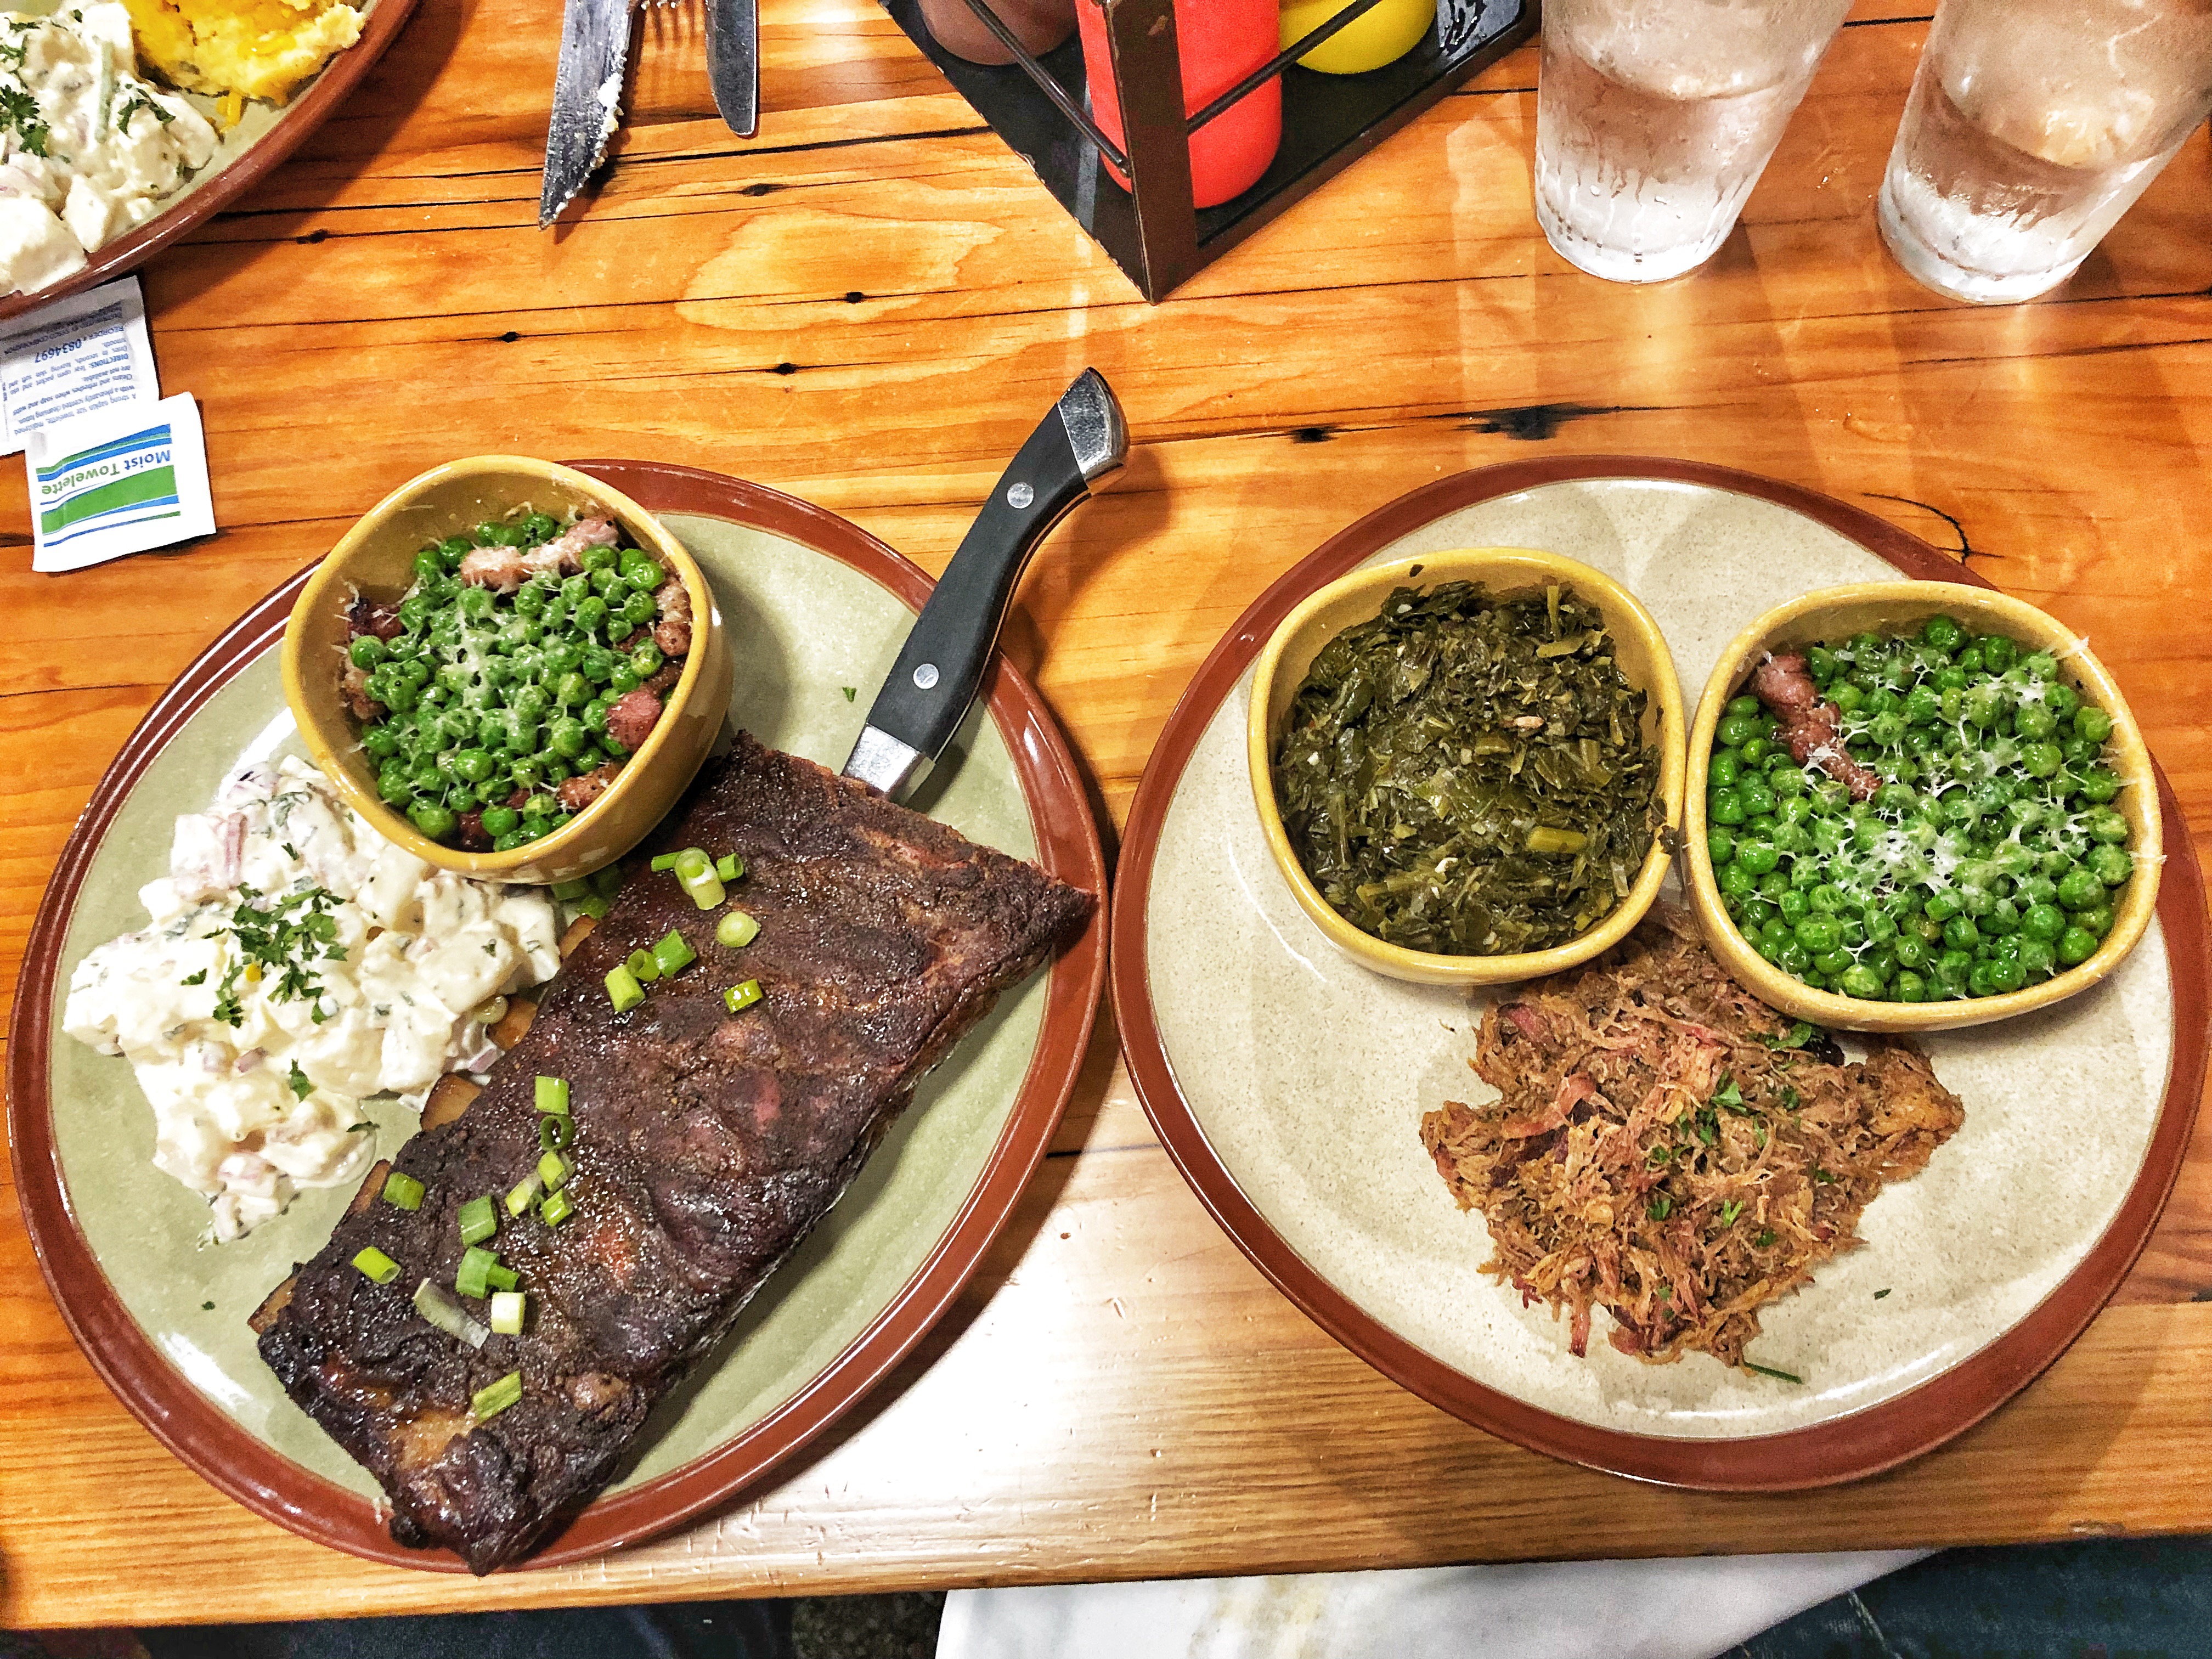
(1289, 1084)
(263, 136)
(815, 610)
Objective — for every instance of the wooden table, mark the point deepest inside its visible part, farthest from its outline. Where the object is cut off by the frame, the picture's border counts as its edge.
(869, 306)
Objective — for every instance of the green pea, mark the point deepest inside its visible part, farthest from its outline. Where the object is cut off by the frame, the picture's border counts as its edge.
(2096, 920)
(1861, 981)
(394, 784)
(1818, 932)
(2035, 722)
(2043, 921)
(1830, 900)
(1942, 632)
(623, 680)
(2111, 865)
(2092, 723)
(2039, 958)
(2039, 665)
(1952, 968)
(637, 610)
(2006, 973)
(1736, 881)
(2042, 760)
(573, 689)
(1996, 652)
(1832, 963)
(592, 615)
(538, 528)
(1723, 806)
(1736, 729)
(2000, 919)
(2098, 786)
(1720, 846)
(2076, 945)
(1960, 933)
(1913, 951)
(471, 765)
(576, 590)
(1755, 796)
(500, 820)
(434, 821)
(2108, 826)
(569, 738)
(563, 657)
(1758, 857)
(1721, 772)
(529, 598)
(607, 585)
(539, 805)
(1942, 907)
(511, 840)
(2079, 889)
(599, 664)
(1771, 944)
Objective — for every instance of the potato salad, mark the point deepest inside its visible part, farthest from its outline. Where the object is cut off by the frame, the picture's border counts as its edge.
(295, 963)
(88, 150)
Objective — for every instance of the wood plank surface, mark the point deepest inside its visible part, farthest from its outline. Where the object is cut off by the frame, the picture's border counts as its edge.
(869, 306)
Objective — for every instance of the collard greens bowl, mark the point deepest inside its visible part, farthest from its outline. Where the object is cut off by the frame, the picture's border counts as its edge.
(1638, 646)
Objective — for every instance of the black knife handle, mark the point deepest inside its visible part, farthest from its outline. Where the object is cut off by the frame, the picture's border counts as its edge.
(937, 675)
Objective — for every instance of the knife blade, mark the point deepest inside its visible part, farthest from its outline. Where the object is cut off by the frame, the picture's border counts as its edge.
(734, 62)
(942, 664)
(586, 97)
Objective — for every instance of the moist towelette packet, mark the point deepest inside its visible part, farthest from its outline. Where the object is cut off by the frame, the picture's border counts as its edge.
(87, 352)
(119, 481)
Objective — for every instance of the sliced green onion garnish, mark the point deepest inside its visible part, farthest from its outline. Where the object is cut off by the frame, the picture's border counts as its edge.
(742, 996)
(507, 1312)
(729, 867)
(1769, 1370)
(608, 882)
(554, 1171)
(556, 1209)
(556, 1133)
(377, 1265)
(473, 1276)
(479, 1220)
(706, 892)
(568, 891)
(553, 1094)
(623, 990)
(502, 1278)
(403, 1191)
(591, 905)
(488, 1402)
(674, 954)
(666, 861)
(692, 864)
(643, 967)
(735, 929)
(442, 1310)
(522, 1195)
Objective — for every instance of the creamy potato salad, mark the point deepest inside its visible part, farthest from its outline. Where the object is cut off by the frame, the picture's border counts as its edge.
(86, 149)
(296, 963)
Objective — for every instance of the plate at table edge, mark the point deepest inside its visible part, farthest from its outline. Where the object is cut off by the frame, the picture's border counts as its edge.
(269, 135)
(248, 1469)
(1843, 1447)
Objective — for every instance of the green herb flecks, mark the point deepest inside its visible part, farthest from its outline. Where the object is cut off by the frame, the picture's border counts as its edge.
(19, 113)
(1466, 773)
(1769, 1370)
(281, 941)
(301, 1086)
(136, 102)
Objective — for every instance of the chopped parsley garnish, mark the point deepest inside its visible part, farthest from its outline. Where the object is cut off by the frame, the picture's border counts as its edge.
(1660, 1207)
(206, 1307)
(1878, 1294)
(1731, 1211)
(286, 938)
(19, 112)
(137, 101)
(850, 691)
(1824, 1177)
(1796, 1038)
(302, 1087)
(200, 978)
(1765, 1239)
(1729, 1095)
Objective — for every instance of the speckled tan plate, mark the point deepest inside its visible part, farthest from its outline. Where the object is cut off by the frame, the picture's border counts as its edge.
(812, 607)
(263, 137)
(1289, 1083)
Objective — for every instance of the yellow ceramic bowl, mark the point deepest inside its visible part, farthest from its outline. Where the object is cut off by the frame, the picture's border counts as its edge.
(376, 557)
(1358, 598)
(1835, 613)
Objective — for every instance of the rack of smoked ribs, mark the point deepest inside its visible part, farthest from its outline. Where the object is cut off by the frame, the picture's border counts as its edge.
(1042, 105)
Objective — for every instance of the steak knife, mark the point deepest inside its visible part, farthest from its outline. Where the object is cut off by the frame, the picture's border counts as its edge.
(734, 62)
(587, 99)
(940, 667)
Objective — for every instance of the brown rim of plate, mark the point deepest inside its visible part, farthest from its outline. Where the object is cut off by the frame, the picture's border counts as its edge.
(213, 1444)
(1844, 1447)
(313, 106)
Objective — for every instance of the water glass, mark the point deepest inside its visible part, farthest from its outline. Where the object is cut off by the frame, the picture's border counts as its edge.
(2033, 126)
(1655, 118)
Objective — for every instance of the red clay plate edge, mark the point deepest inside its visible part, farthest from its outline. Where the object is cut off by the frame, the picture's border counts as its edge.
(125, 253)
(213, 1445)
(1845, 1447)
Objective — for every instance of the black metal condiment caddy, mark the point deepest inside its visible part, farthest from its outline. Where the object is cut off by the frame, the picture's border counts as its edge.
(1041, 106)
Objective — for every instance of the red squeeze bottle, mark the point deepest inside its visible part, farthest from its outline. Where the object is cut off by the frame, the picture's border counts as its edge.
(1221, 42)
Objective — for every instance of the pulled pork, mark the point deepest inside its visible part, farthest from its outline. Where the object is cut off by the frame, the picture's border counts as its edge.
(1669, 1148)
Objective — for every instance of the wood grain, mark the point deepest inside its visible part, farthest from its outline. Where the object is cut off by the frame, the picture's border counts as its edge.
(869, 306)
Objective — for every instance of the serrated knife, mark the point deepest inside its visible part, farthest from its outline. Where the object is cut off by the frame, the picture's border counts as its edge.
(586, 97)
(941, 665)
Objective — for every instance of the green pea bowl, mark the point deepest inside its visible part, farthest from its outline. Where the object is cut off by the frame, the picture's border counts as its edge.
(1949, 905)
(376, 557)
